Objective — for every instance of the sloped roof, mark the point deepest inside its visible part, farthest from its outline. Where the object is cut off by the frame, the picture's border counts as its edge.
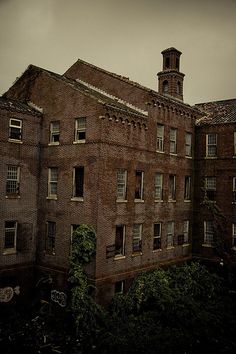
(17, 106)
(218, 112)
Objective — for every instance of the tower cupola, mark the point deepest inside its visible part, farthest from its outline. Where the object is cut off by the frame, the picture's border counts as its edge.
(170, 79)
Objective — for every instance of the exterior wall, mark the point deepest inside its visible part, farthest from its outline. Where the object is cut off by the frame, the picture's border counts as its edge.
(23, 207)
(224, 169)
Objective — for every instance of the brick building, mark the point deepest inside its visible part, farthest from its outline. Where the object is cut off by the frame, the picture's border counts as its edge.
(92, 147)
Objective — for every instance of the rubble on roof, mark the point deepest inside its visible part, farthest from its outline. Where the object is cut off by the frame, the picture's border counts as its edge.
(218, 112)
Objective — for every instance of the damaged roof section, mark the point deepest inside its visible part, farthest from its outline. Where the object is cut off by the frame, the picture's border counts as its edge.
(16, 106)
(218, 112)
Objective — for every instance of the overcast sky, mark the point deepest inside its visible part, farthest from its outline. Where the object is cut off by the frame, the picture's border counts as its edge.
(125, 37)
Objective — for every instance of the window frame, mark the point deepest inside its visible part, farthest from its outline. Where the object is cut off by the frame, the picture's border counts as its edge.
(208, 233)
(160, 138)
(122, 248)
(75, 195)
(210, 192)
(10, 250)
(186, 231)
(137, 237)
(209, 145)
(234, 143)
(50, 240)
(121, 184)
(52, 183)
(80, 129)
(234, 189)
(187, 188)
(13, 126)
(16, 191)
(173, 141)
(158, 186)
(139, 192)
(54, 132)
(172, 191)
(170, 234)
(188, 144)
(157, 237)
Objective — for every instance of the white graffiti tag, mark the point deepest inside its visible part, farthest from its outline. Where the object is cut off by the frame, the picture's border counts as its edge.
(6, 294)
(59, 297)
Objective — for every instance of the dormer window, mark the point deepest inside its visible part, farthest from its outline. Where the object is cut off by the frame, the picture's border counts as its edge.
(165, 86)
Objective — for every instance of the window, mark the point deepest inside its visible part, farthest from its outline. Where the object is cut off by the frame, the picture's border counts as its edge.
(121, 184)
(188, 144)
(13, 178)
(139, 185)
(158, 186)
(54, 132)
(78, 182)
(52, 182)
(178, 88)
(160, 137)
(173, 133)
(165, 86)
(208, 233)
(167, 62)
(234, 189)
(157, 237)
(170, 234)
(235, 143)
(234, 235)
(119, 287)
(187, 188)
(137, 238)
(186, 231)
(10, 235)
(120, 240)
(177, 63)
(210, 188)
(80, 129)
(15, 129)
(50, 236)
(211, 145)
(172, 187)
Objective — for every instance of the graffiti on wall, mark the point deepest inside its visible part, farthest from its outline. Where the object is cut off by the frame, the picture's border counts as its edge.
(59, 297)
(7, 293)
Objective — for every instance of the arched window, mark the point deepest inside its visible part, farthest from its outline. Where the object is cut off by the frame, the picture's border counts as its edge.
(178, 88)
(165, 86)
(167, 62)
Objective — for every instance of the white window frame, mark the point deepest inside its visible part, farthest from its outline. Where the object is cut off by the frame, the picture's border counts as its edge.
(52, 181)
(121, 190)
(188, 144)
(170, 234)
(208, 233)
(234, 189)
(159, 186)
(173, 141)
(172, 192)
(210, 186)
(160, 138)
(80, 127)
(157, 236)
(211, 146)
(122, 252)
(234, 235)
(13, 125)
(137, 238)
(9, 250)
(54, 132)
(13, 177)
(186, 231)
(187, 188)
(141, 186)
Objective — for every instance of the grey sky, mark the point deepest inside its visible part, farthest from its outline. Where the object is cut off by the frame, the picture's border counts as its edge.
(125, 37)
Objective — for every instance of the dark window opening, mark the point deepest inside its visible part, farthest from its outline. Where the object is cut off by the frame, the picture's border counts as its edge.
(165, 86)
(119, 240)
(139, 185)
(177, 63)
(167, 62)
(79, 182)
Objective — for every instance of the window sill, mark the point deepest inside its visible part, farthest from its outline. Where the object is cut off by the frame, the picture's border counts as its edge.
(79, 142)
(157, 250)
(16, 141)
(170, 248)
(171, 200)
(51, 198)
(54, 144)
(159, 201)
(138, 200)
(185, 244)
(207, 245)
(187, 201)
(138, 253)
(233, 248)
(121, 201)
(160, 152)
(9, 251)
(189, 157)
(119, 257)
(210, 157)
(77, 199)
(173, 154)
(234, 202)
(14, 196)
(234, 157)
